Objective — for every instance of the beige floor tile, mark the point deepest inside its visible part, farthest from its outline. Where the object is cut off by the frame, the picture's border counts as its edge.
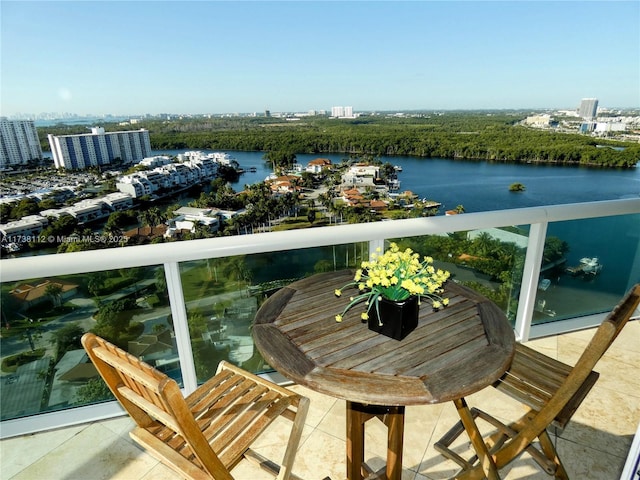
(320, 456)
(583, 462)
(319, 405)
(628, 338)
(160, 472)
(19, 453)
(606, 418)
(120, 425)
(95, 453)
(547, 345)
(334, 422)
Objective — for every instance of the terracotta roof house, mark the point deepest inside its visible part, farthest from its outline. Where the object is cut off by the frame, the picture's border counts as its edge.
(317, 165)
(31, 294)
(145, 234)
(378, 205)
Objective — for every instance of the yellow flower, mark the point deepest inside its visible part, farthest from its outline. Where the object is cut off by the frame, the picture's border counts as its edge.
(396, 275)
(338, 318)
(337, 292)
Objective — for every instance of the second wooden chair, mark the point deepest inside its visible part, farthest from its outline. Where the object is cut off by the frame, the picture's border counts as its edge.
(551, 389)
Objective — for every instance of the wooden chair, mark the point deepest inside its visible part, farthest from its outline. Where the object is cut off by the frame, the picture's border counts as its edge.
(551, 390)
(206, 434)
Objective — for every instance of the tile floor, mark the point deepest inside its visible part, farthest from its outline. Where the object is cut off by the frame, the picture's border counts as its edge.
(594, 446)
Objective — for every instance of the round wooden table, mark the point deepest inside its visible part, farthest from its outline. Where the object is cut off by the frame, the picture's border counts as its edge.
(453, 352)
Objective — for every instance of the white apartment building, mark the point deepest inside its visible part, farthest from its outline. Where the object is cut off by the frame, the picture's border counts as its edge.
(342, 112)
(157, 161)
(170, 176)
(23, 230)
(99, 148)
(118, 201)
(18, 142)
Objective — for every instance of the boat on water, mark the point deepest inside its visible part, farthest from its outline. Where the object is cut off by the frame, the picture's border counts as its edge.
(544, 284)
(587, 266)
(11, 247)
(397, 168)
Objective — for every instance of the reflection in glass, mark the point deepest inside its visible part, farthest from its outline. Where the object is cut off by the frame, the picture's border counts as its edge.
(596, 262)
(222, 296)
(490, 261)
(45, 368)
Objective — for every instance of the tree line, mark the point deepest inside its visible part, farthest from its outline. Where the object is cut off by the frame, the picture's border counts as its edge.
(457, 135)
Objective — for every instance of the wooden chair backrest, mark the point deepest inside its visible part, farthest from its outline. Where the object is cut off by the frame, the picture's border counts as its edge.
(150, 397)
(600, 342)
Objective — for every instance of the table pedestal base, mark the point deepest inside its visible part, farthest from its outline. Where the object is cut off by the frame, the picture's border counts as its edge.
(393, 417)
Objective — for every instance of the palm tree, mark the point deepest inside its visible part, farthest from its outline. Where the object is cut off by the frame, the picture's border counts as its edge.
(54, 290)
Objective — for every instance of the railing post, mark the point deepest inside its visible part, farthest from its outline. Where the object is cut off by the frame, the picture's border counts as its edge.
(375, 245)
(181, 326)
(530, 276)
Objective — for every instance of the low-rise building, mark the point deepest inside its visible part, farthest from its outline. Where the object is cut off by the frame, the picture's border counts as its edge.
(188, 217)
(318, 165)
(361, 175)
(21, 231)
(118, 201)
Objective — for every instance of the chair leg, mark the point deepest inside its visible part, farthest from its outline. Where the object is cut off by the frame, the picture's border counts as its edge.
(294, 439)
(550, 452)
(485, 459)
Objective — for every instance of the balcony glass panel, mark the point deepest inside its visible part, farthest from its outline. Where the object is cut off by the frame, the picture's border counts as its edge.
(489, 261)
(594, 262)
(222, 296)
(44, 367)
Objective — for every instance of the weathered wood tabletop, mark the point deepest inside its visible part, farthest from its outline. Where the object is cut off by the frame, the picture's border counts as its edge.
(453, 352)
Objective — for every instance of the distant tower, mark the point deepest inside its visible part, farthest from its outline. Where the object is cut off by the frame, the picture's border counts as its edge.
(337, 112)
(267, 113)
(588, 108)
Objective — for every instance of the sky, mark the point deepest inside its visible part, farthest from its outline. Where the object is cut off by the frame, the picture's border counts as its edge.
(197, 57)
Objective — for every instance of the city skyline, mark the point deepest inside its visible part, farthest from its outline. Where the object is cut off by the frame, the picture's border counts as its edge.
(225, 57)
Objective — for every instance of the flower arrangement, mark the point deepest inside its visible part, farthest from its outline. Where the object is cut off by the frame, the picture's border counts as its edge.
(396, 276)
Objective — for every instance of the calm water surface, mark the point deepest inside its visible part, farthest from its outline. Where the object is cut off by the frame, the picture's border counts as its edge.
(479, 185)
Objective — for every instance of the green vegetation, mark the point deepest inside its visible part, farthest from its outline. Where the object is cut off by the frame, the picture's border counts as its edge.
(11, 364)
(499, 263)
(517, 187)
(495, 136)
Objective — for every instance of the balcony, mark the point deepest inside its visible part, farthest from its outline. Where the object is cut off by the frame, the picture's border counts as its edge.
(554, 316)
(593, 446)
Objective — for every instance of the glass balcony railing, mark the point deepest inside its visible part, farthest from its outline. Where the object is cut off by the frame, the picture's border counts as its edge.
(184, 306)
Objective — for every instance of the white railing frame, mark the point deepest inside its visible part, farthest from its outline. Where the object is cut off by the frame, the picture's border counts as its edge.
(170, 255)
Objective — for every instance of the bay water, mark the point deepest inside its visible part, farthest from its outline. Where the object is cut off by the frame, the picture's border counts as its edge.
(484, 186)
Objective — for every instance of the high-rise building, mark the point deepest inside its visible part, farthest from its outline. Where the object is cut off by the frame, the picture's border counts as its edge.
(588, 108)
(337, 112)
(19, 142)
(98, 148)
(342, 112)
